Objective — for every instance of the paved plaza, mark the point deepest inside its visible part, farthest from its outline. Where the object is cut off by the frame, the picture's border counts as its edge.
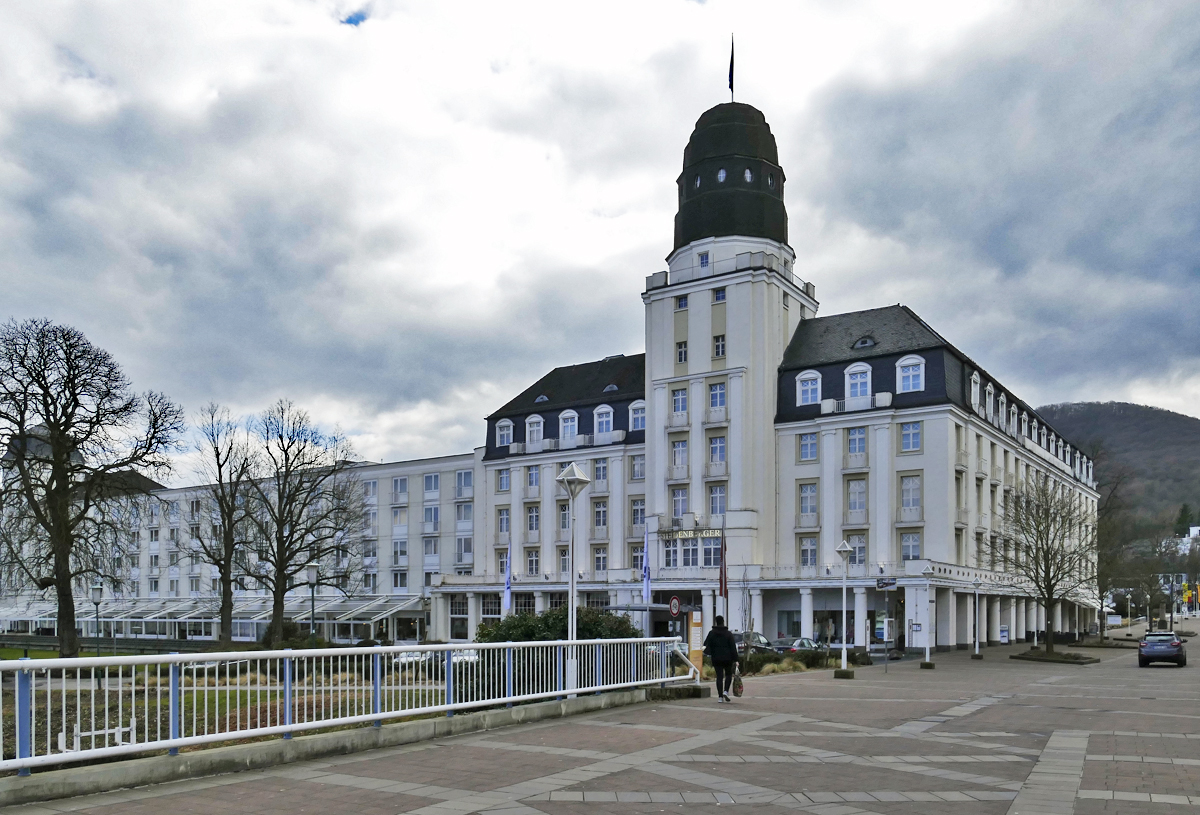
(997, 736)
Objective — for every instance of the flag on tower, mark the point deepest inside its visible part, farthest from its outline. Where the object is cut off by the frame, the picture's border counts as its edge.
(730, 67)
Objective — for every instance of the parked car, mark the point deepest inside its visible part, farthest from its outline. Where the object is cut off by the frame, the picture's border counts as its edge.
(789, 645)
(758, 644)
(1161, 646)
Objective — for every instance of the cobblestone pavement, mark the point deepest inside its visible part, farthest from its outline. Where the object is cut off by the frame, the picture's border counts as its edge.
(991, 736)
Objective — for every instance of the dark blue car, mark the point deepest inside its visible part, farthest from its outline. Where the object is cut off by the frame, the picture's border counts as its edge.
(1161, 646)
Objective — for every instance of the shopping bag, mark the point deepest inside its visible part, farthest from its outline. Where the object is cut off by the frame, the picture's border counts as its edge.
(736, 686)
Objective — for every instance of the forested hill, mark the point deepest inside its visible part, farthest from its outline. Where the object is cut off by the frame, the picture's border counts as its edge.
(1160, 449)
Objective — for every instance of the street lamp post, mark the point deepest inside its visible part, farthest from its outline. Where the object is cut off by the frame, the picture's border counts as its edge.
(928, 572)
(977, 583)
(97, 596)
(313, 576)
(573, 480)
(843, 549)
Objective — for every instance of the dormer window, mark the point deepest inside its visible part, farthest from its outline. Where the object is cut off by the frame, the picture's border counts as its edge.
(910, 374)
(704, 260)
(533, 430)
(504, 433)
(1024, 424)
(568, 425)
(975, 390)
(864, 342)
(858, 381)
(604, 419)
(542, 398)
(637, 416)
(611, 388)
(991, 392)
(808, 388)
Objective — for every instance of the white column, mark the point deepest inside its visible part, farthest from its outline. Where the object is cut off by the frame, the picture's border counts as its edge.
(618, 522)
(806, 613)
(830, 496)
(706, 610)
(993, 629)
(1020, 618)
(734, 449)
(698, 448)
(882, 491)
(860, 617)
(539, 601)
(979, 618)
(1041, 621)
(756, 611)
(472, 614)
(1012, 619)
(914, 606)
(658, 411)
(1058, 618)
(947, 619)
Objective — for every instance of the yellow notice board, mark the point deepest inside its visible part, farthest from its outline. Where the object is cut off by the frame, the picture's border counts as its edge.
(695, 638)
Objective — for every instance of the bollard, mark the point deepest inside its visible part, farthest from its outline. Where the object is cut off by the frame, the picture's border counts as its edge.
(24, 716)
(508, 675)
(175, 711)
(449, 680)
(376, 688)
(287, 692)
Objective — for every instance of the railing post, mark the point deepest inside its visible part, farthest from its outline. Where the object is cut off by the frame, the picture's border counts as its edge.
(599, 667)
(376, 686)
(558, 670)
(508, 675)
(449, 679)
(287, 693)
(662, 662)
(175, 711)
(24, 716)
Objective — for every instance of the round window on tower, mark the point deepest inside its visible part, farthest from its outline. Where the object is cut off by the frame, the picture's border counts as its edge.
(721, 175)
(771, 180)
(697, 181)
(749, 175)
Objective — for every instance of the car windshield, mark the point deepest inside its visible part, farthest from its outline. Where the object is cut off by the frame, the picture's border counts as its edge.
(785, 641)
(1167, 637)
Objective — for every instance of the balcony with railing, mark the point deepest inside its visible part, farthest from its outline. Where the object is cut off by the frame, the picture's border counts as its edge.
(962, 460)
(533, 536)
(611, 437)
(637, 531)
(503, 538)
(464, 527)
(716, 469)
(600, 486)
(855, 517)
(533, 492)
(677, 472)
(562, 535)
(981, 468)
(678, 419)
(984, 521)
(910, 515)
(808, 520)
(467, 491)
(399, 498)
(430, 527)
(962, 516)
(997, 475)
(855, 461)
(599, 533)
(715, 415)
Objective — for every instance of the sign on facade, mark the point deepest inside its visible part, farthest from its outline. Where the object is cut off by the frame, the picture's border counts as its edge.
(885, 583)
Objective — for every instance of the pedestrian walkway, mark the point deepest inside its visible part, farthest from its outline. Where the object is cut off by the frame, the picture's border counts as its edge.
(991, 736)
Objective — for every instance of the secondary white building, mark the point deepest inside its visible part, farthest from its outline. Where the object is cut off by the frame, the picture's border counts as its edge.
(750, 426)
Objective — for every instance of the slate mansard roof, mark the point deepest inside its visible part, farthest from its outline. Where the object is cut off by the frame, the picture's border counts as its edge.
(578, 385)
(824, 340)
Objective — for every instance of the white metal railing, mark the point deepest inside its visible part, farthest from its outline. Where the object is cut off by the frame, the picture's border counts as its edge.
(55, 711)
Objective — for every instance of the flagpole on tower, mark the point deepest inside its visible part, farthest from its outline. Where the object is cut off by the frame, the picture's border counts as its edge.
(730, 67)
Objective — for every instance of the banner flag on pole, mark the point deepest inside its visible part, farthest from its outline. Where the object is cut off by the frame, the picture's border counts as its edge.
(508, 579)
(730, 67)
(646, 567)
(723, 588)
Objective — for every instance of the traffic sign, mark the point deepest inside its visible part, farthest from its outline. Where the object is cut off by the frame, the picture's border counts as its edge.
(674, 606)
(885, 583)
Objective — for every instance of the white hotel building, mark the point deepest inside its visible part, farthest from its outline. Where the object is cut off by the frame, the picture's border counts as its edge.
(749, 418)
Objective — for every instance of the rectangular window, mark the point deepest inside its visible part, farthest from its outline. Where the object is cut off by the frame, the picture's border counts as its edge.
(370, 490)
(432, 514)
(910, 378)
(464, 512)
(681, 301)
(808, 499)
(464, 480)
(533, 476)
(533, 561)
(808, 551)
(637, 467)
(716, 499)
(533, 518)
(429, 578)
(400, 486)
(173, 559)
(399, 580)
(637, 418)
(533, 431)
(810, 391)
(808, 446)
(860, 385)
(910, 546)
(153, 560)
(600, 469)
(600, 514)
(604, 421)
(564, 516)
(910, 436)
(194, 585)
(600, 558)
(399, 516)
(569, 426)
(716, 395)
(369, 582)
(856, 440)
(679, 502)
(502, 562)
(194, 532)
(679, 453)
(679, 400)
(153, 587)
(564, 560)
(370, 549)
(154, 536)
(681, 351)
(502, 520)
(464, 547)
(719, 345)
(399, 550)
(712, 551)
(689, 550)
(857, 495)
(173, 535)
(670, 554)
(716, 450)
(637, 511)
(637, 557)
(719, 295)
(910, 491)
(174, 588)
(504, 435)
(431, 545)
(858, 549)
(432, 482)
(503, 483)
(703, 260)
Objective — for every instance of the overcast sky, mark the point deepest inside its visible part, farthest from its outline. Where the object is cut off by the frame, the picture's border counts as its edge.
(399, 215)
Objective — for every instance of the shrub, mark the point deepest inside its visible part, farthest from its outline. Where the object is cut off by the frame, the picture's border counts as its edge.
(859, 659)
(590, 624)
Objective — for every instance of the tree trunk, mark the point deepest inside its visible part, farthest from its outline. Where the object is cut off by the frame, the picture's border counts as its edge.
(275, 632)
(226, 578)
(1050, 606)
(68, 640)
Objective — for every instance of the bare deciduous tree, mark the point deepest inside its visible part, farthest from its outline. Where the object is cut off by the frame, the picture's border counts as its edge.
(1052, 532)
(79, 446)
(306, 506)
(225, 468)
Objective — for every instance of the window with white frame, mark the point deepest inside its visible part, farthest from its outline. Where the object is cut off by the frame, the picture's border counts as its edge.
(856, 440)
(533, 476)
(533, 561)
(399, 580)
(637, 511)
(808, 499)
(989, 405)
(604, 419)
(808, 388)
(533, 518)
(719, 345)
(910, 374)
(670, 555)
(504, 433)
(679, 502)
(464, 512)
(711, 550)
(679, 453)
(600, 514)
(568, 425)
(600, 558)
(503, 480)
(564, 560)
(910, 492)
(858, 549)
(533, 429)
(637, 416)
(808, 552)
(858, 381)
(502, 562)
(399, 517)
(719, 295)
(716, 395)
(681, 351)
(910, 546)
(716, 450)
(399, 550)
(808, 446)
(370, 493)
(856, 495)
(503, 519)
(689, 550)
(975, 390)
(716, 499)
(637, 557)
(637, 467)
(681, 301)
(430, 545)
(564, 516)
(910, 437)
(679, 400)
(600, 469)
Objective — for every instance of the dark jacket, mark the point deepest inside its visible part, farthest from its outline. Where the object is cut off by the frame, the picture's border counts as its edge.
(720, 645)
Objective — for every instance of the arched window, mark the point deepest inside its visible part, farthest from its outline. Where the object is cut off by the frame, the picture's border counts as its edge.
(603, 416)
(1024, 423)
(991, 393)
(858, 380)
(975, 390)
(534, 429)
(568, 425)
(910, 374)
(1012, 420)
(504, 433)
(808, 388)
(637, 415)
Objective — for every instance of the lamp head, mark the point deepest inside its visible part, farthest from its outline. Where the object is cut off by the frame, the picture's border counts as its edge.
(977, 583)
(573, 479)
(843, 549)
(97, 593)
(927, 571)
(313, 574)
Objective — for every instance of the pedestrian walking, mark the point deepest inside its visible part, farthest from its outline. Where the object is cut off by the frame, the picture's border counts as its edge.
(721, 648)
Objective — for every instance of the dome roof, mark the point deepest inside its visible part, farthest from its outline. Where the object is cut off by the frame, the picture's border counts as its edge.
(731, 182)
